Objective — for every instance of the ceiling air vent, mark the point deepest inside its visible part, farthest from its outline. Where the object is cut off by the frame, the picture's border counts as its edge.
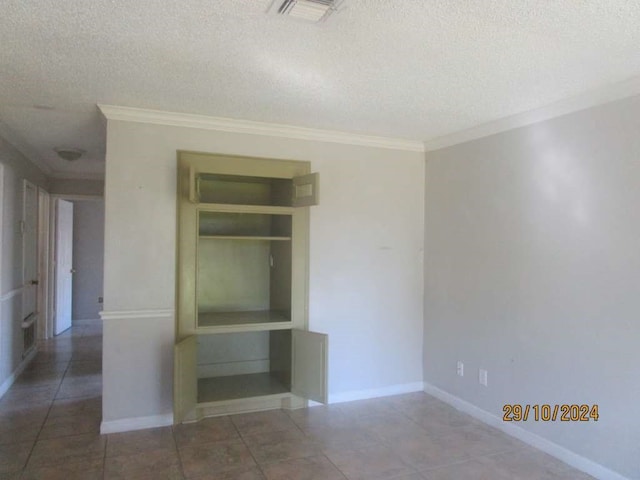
(307, 10)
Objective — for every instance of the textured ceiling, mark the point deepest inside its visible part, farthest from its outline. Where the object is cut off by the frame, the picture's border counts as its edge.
(415, 69)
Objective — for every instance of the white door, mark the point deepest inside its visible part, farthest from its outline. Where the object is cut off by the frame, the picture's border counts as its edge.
(64, 265)
(29, 263)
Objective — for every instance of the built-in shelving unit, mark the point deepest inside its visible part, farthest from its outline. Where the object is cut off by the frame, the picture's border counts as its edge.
(243, 344)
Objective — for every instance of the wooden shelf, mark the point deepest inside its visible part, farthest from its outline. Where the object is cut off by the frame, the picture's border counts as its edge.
(233, 208)
(217, 319)
(243, 237)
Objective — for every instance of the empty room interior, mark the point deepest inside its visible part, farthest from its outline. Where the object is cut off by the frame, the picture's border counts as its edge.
(320, 239)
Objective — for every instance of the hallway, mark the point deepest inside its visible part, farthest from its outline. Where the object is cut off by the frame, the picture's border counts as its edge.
(58, 395)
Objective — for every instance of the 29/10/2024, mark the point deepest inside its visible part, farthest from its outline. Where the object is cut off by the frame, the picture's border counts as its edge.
(550, 413)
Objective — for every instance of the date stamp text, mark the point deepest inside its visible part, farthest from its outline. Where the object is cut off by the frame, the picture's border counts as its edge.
(550, 413)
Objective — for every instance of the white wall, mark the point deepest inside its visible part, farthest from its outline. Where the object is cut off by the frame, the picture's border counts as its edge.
(365, 261)
(16, 169)
(533, 272)
(88, 253)
(69, 186)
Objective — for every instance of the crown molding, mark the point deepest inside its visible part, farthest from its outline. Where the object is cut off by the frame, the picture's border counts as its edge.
(129, 114)
(592, 98)
(15, 140)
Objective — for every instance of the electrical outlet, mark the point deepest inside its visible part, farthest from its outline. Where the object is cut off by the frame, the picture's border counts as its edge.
(460, 369)
(482, 377)
(100, 299)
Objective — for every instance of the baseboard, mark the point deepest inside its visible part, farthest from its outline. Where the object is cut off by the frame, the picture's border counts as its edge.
(577, 461)
(6, 385)
(136, 423)
(81, 322)
(376, 392)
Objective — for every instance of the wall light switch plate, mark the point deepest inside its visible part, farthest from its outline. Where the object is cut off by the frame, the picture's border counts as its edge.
(460, 369)
(482, 377)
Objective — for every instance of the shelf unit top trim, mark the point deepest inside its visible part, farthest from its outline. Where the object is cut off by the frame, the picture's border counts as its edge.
(234, 208)
(245, 327)
(243, 237)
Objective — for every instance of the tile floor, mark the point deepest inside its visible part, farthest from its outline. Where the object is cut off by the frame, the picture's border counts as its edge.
(50, 418)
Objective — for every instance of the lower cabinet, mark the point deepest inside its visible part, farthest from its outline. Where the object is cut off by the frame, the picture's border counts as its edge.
(217, 374)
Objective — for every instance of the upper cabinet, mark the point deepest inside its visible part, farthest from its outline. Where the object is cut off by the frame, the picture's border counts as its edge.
(206, 187)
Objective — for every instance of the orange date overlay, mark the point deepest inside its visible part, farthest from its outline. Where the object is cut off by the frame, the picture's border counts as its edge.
(550, 413)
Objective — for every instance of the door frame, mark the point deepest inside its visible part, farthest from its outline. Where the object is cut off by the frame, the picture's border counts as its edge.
(1, 229)
(44, 244)
(27, 283)
(1, 217)
(53, 225)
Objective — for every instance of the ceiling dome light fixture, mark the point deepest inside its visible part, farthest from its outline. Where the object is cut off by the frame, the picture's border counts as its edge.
(69, 154)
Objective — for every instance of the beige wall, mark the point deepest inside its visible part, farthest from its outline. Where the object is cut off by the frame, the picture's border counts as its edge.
(365, 261)
(16, 168)
(532, 272)
(68, 186)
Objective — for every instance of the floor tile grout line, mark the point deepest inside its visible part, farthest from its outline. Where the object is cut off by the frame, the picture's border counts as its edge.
(46, 417)
(175, 442)
(44, 422)
(247, 447)
(104, 457)
(337, 468)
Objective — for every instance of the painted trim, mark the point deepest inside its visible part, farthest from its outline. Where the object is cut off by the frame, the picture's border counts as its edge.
(376, 392)
(592, 98)
(6, 385)
(156, 117)
(26, 185)
(577, 461)
(12, 293)
(2, 227)
(128, 314)
(136, 423)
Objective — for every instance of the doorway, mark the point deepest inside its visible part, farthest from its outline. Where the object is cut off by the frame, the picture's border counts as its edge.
(76, 261)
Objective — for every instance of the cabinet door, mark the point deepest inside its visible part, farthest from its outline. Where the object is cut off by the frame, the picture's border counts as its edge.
(309, 364)
(306, 190)
(185, 379)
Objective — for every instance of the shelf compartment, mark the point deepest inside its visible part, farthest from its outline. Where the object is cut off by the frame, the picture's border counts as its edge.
(242, 365)
(244, 190)
(240, 237)
(237, 224)
(243, 281)
(239, 386)
(215, 319)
